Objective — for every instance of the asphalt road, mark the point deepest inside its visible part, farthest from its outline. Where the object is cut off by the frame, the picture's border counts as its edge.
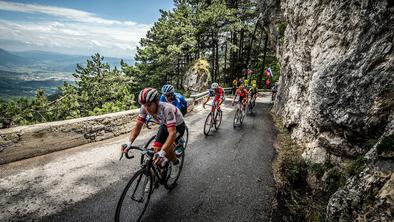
(227, 176)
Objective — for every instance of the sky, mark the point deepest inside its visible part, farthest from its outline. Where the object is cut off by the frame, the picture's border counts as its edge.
(78, 27)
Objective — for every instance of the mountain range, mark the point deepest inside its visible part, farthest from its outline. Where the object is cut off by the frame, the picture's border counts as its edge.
(22, 73)
(50, 60)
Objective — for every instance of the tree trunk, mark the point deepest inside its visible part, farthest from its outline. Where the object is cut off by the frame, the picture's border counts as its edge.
(265, 53)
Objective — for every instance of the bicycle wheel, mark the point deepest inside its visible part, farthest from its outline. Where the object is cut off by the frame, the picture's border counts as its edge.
(135, 197)
(218, 119)
(250, 108)
(186, 137)
(208, 124)
(147, 144)
(175, 172)
(236, 118)
(242, 116)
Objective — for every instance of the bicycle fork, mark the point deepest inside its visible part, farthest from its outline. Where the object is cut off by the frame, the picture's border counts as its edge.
(145, 183)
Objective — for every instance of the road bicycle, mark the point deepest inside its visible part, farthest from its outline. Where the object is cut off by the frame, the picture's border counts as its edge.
(136, 195)
(251, 105)
(214, 118)
(239, 117)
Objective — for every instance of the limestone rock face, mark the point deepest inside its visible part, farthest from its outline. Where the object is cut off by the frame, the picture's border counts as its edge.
(197, 77)
(336, 95)
(337, 73)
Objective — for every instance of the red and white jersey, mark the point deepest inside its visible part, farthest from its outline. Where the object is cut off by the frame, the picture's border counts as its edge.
(167, 114)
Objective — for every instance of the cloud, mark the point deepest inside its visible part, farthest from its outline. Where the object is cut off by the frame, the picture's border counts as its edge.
(69, 29)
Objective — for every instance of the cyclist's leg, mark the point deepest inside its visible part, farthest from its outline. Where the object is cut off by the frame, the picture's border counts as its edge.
(180, 130)
(160, 139)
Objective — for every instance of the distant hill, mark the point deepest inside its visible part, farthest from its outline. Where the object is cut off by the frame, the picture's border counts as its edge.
(6, 58)
(50, 61)
(22, 73)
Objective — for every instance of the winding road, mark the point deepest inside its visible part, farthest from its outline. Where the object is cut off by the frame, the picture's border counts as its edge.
(227, 176)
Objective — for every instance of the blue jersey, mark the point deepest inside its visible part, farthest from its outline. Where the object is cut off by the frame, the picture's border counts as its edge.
(178, 101)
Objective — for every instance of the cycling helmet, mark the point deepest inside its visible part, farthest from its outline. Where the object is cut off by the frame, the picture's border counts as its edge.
(214, 85)
(167, 89)
(148, 95)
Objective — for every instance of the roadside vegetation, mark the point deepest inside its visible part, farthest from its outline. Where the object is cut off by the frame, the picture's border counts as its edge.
(303, 190)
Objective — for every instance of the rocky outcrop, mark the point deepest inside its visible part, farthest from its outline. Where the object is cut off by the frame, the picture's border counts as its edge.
(336, 95)
(337, 73)
(197, 77)
(369, 195)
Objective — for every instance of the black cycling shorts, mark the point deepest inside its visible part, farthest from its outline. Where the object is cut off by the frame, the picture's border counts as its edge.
(241, 98)
(162, 133)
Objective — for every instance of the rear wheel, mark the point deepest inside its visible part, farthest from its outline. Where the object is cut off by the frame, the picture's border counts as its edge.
(175, 172)
(135, 197)
(208, 124)
(185, 137)
(250, 107)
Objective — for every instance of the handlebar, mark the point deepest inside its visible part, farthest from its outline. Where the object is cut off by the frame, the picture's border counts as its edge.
(130, 156)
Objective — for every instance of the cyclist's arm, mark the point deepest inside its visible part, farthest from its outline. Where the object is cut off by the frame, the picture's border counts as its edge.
(207, 99)
(163, 98)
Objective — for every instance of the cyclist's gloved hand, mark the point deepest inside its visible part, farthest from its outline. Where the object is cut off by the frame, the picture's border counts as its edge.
(160, 158)
(125, 147)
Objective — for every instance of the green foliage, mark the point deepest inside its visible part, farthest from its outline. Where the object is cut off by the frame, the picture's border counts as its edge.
(201, 66)
(97, 90)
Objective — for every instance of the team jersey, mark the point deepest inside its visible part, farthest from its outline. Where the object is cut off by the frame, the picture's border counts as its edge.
(241, 93)
(253, 91)
(179, 101)
(219, 95)
(168, 115)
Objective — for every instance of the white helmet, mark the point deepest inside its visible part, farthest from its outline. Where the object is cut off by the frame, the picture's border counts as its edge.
(214, 85)
(148, 95)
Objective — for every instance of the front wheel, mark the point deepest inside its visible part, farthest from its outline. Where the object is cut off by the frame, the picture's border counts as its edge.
(208, 124)
(135, 197)
(218, 119)
(236, 117)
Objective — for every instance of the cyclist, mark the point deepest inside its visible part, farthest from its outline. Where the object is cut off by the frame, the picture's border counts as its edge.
(216, 91)
(234, 86)
(176, 99)
(246, 83)
(241, 96)
(172, 125)
(274, 90)
(253, 93)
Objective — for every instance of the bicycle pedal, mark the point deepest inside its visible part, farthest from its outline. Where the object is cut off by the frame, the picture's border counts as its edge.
(140, 200)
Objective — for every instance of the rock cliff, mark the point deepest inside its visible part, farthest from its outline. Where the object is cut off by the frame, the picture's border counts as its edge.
(336, 95)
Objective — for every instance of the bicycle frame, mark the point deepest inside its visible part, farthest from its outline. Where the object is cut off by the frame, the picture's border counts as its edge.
(149, 165)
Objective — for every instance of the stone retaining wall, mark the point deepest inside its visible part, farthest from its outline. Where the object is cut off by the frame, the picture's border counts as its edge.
(28, 141)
